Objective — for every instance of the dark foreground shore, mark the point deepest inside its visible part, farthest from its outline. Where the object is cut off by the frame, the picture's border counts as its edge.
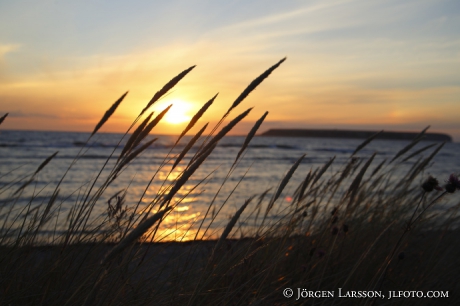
(169, 273)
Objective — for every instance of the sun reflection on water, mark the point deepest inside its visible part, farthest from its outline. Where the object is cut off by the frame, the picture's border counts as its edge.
(183, 222)
(177, 226)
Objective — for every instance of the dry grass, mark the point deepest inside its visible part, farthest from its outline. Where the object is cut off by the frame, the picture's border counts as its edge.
(352, 230)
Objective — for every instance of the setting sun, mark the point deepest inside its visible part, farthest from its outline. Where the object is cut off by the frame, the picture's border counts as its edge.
(178, 112)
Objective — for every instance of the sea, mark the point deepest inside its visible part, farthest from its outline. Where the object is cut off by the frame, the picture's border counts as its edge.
(218, 181)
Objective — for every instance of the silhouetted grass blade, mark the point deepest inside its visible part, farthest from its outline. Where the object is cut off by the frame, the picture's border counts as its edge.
(3, 118)
(254, 84)
(108, 113)
(166, 88)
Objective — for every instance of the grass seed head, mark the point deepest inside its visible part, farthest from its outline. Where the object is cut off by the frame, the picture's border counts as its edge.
(430, 184)
(453, 183)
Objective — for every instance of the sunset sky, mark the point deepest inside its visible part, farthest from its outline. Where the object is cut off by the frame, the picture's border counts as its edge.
(392, 65)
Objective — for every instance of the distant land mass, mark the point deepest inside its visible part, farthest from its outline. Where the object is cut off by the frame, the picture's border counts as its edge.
(354, 134)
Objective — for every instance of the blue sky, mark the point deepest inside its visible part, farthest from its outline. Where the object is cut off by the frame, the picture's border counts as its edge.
(392, 65)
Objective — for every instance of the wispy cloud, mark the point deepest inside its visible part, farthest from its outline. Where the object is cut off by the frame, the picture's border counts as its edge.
(22, 114)
(287, 16)
(7, 48)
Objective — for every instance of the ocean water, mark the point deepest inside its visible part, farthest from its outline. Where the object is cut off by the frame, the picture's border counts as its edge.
(263, 166)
